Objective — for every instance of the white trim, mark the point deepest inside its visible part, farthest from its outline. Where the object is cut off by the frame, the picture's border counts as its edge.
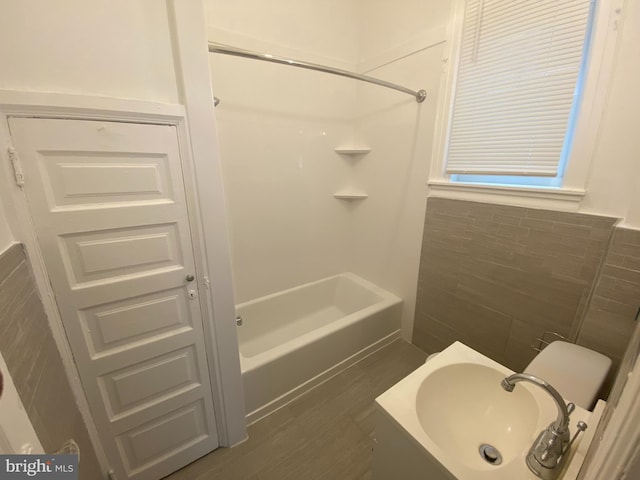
(603, 48)
(62, 105)
(549, 198)
(602, 56)
(446, 90)
(194, 82)
(623, 224)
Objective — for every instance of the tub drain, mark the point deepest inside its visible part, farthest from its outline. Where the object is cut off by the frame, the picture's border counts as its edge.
(490, 454)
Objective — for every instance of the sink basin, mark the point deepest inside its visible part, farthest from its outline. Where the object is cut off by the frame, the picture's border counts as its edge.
(462, 406)
(433, 423)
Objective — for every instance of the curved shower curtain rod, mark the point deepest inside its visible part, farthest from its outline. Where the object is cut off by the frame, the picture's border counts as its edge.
(420, 95)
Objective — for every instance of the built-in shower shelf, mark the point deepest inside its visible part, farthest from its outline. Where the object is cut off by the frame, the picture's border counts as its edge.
(352, 150)
(350, 195)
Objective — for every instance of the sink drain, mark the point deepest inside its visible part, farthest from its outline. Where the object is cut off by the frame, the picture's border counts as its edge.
(490, 454)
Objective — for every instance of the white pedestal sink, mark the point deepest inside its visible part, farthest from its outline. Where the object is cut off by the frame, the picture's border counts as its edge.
(432, 424)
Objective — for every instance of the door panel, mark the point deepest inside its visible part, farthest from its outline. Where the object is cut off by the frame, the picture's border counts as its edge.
(109, 210)
(117, 324)
(107, 254)
(184, 427)
(148, 381)
(73, 179)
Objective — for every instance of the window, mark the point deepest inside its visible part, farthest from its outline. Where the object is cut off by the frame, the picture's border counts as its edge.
(518, 86)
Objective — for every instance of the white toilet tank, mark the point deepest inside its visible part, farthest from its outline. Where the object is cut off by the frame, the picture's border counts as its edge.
(576, 372)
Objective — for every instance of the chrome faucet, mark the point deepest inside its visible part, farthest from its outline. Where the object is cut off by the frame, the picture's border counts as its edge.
(547, 454)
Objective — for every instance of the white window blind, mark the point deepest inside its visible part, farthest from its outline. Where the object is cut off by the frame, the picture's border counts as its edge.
(518, 68)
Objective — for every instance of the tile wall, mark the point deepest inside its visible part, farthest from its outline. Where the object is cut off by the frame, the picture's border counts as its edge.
(496, 277)
(610, 319)
(27, 345)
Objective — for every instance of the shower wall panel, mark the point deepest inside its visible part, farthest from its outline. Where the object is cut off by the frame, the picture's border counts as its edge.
(278, 127)
(402, 44)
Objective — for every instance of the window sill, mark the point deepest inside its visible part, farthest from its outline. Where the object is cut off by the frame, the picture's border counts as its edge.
(566, 199)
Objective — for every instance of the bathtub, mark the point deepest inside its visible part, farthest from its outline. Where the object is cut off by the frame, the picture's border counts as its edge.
(293, 340)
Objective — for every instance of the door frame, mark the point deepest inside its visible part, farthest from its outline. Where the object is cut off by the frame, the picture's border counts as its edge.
(209, 236)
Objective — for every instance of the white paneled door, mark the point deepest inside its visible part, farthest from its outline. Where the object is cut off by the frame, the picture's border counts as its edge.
(108, 206)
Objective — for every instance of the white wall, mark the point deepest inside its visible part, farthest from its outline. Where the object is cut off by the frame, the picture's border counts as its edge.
(277, 129)
(387, 228)
(387, 28)
(118, 48)
(318, 29)
(386, 234)
(111, 48)
(615, 171)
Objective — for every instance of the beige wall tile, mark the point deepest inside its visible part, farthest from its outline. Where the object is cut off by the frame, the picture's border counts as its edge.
(610, 318)
(496, 277)
(35, 365)
(11, 258)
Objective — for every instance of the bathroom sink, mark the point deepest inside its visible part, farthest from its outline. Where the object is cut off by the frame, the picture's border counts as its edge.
(462, 406)
(451, 408)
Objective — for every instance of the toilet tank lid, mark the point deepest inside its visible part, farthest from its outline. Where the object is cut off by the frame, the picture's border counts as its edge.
(575, 371)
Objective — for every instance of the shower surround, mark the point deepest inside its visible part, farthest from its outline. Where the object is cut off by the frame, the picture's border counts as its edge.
(279, 128)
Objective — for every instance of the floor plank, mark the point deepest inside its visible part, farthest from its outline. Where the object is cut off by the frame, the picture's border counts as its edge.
(324, 434)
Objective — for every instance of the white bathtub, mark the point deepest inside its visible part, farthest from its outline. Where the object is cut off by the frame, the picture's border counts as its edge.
(292, 340)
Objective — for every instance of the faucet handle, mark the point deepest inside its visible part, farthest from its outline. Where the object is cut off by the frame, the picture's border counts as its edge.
(570, 407)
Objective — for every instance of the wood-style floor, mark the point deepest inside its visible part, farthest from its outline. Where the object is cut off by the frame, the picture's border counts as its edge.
(325, 434)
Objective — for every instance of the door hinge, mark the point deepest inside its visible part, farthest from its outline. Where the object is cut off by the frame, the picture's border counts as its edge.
(206, 281)
(17, 167)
